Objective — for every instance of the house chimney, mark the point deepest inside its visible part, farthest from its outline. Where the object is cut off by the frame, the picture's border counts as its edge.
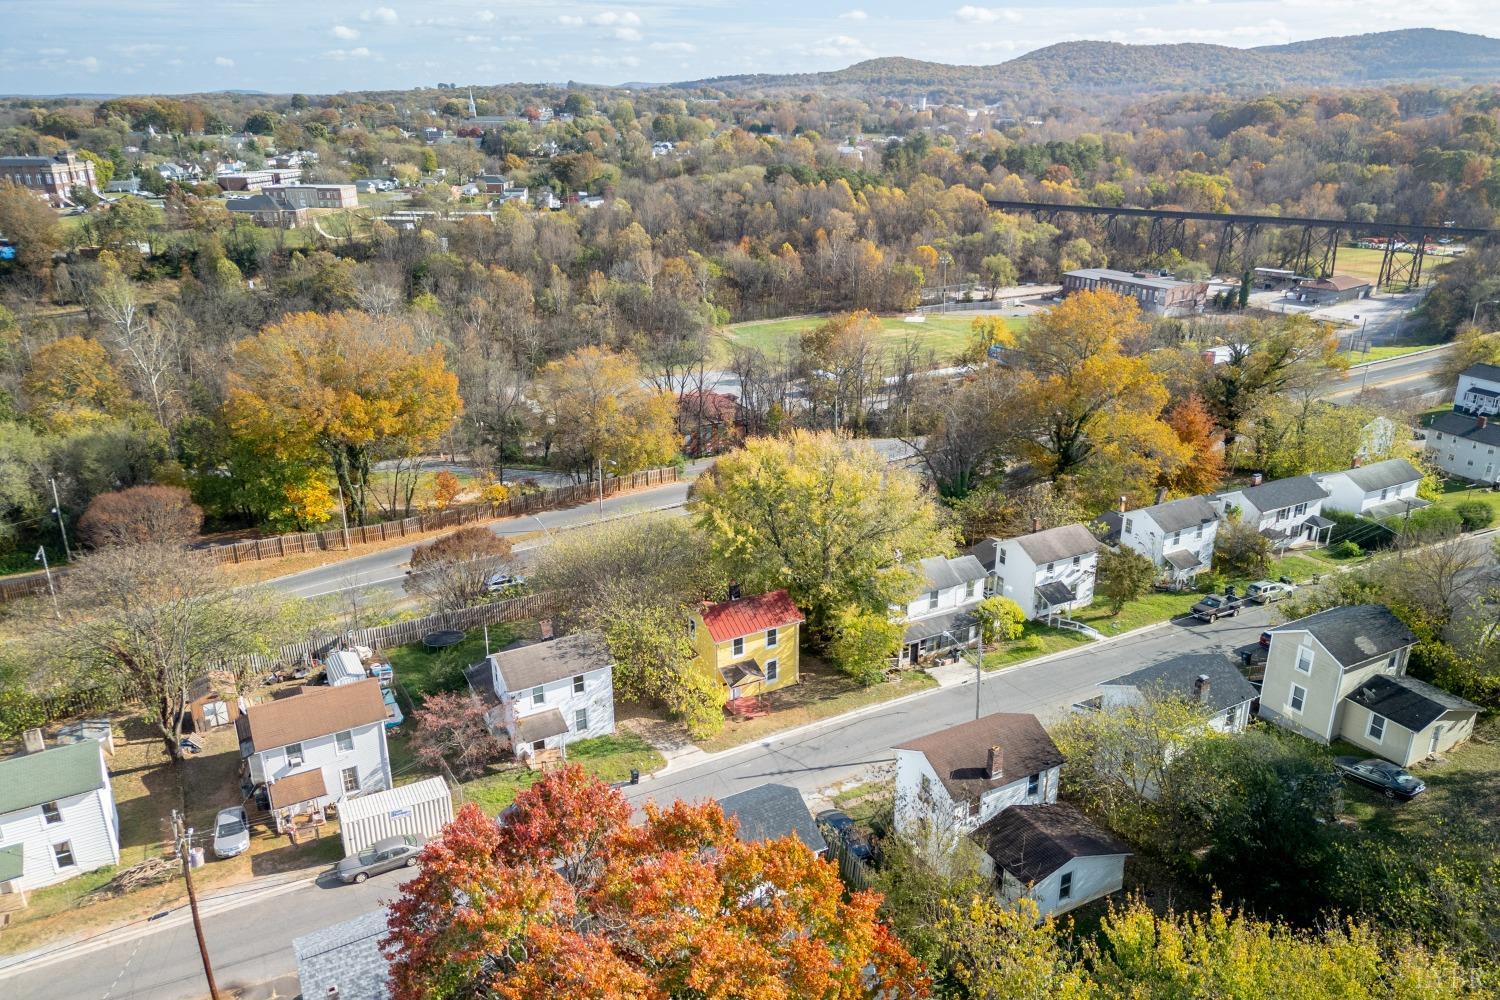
(1482, 421)
(1200, 688)
(1256, 478)
(544, 629)
(332, 991)
(32, 741)
(1161, 494)
(996, 762)
(734, 592)
(1122, 505)
(1036, 522)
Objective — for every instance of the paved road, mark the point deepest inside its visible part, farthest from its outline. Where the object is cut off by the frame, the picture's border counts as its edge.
(1408, 376)
(253, 943)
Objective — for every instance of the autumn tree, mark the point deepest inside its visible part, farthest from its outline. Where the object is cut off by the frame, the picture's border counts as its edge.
(454, 571)
(842, 364)
(1124, 576)
(597, 411)
(562, 896)
(145, 621)
(342, 385)
(32, 225)
(1240, 550)
(141, 514)
(864, 644)
(967, 432)
(1203, 470)
(823, 517)
(1006, 952)
(1097, 412)
(451, 729)
(1268, 358)
(1000, 619)
(71, 383)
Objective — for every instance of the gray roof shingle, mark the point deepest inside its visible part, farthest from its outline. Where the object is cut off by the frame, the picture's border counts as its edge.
(1382, 475)
(1178, 676)
(1408, 702)
(1462, 426)
(1177, 515)
(960, 755)
(1281, 493)
(1481, 370)
(346, 955)
(1057, 544)
(771, 812)
(1032, 842)
(528, 666)
(942, 573)
(1353, 633)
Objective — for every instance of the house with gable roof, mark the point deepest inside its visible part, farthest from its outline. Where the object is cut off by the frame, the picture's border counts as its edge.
(748, 645)
(1465, 441)
(942, 616)
(1176, 535)
(545, 695)
(1046, 573)
(1377, 491)
(1288, 512)
(57, 817)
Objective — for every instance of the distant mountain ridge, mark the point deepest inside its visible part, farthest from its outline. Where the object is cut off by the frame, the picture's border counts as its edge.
(1088, 67)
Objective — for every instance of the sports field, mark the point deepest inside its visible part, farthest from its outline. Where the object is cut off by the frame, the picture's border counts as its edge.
(1362, 263)
(946, 335)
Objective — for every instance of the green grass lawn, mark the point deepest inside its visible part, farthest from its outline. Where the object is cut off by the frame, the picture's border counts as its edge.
(422, 671)
(1385, 352)
(944, 334)
(609, 758)
(1365, 264)
(1455, 493)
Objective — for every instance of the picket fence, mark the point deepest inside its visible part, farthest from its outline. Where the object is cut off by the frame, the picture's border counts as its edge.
(332, 539)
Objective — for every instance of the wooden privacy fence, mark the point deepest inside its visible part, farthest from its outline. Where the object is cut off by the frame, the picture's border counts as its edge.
(558, 497)
(398, 633)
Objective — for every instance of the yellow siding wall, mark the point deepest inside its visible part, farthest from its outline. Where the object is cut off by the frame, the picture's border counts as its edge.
(712, 657)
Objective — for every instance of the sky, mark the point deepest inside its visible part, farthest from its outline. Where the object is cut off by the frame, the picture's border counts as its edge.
(326, 46)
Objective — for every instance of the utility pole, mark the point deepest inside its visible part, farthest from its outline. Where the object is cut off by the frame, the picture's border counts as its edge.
(57, 509)
(41, 556)
(601, 489)
(978, 666)
(184, 846)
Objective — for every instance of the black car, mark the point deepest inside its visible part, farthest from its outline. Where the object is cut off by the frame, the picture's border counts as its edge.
(843, 829)
(1383, 776)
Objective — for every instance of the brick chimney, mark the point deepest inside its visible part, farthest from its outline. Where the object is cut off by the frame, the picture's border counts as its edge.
(1122, 505)
(1200, 688)
(1482, 421)
(1256, 478)
(734, 592)
(544, 629)
(1358, 461)
(1036, 522)
(996, 762)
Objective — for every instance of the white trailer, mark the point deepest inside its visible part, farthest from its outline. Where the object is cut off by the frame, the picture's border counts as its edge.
(420, 809)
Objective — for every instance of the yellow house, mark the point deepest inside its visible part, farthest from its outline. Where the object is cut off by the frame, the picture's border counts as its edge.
(749, 644)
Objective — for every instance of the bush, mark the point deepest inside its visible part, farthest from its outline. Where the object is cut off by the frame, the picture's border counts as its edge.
(1428, 524)
(141, 514)
(1476, 515)
(1346, 550)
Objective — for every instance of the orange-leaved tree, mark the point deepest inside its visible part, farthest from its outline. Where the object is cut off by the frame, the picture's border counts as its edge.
(339, 384)
(563, 897)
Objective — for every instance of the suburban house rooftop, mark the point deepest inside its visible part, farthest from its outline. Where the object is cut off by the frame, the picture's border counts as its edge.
(1032, 842)
(1407, 701)
(1280, 493)
(1354, 633)
(1057, 544)
(1461, 425)
(535, 663)
(1179, 676)
(770, 812)
(1382, 475)
(317, 711)
(743, 616)
(963, 759)
(942, 573)
(344, 960)
(1482, 370)
(1176, 515)
(55, 773)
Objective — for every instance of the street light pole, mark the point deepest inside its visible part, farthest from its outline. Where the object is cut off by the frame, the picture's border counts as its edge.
(1474, 319)
(41, 555)
(57, 509)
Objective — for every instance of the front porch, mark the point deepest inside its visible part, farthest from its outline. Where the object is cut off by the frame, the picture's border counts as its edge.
(928, 637)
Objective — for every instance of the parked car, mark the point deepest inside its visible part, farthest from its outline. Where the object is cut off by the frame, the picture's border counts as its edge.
(1390, 780)
(231, 833)
(500, 581)
(1269, 591)
(383, 856)
(1265, 639)
(1216, 606)
(843, 829)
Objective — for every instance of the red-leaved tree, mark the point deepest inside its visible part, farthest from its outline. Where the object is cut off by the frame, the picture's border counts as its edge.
(450, 727)
(565, 898)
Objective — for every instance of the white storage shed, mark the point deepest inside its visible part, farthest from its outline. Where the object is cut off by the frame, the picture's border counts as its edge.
(420, 809)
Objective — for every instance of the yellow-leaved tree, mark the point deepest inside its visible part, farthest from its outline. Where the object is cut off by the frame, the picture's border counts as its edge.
(73, 384)
(335, 388)
(597, 410)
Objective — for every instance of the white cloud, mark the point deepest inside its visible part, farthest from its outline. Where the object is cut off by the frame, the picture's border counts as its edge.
(475, 39)
(385, 15)
(986, 15)
(840, 47)
(88, 64)
(613, 17)
(50, 52)
(346, 33)
(485, 16)
(628, 34)
(570, 20)
(340, 55)
(853, 15)
(223, 61)
(673, 47)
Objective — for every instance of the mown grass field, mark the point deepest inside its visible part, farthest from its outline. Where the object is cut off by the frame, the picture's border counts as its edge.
(945, 335)
(1363, 263)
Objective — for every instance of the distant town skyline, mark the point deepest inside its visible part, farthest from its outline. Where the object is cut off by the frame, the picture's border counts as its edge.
(172, 46)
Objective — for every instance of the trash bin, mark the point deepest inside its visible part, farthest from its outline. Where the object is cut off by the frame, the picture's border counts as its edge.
(635, 776)
(195, 857)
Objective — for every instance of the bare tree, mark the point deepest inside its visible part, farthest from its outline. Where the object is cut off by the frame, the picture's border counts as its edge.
(1438, 577)
(141, 514)
(148, 620)
(454, 572)
(149, 348)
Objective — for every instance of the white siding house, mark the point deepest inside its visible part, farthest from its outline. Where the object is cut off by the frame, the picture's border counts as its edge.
(321, 746)
(1289, 512)
(1054, 855)
(1207, 678)
(1478, 390)
(545, 695)
(1047, 572)
(1177, 536)
(1465, 442)
(57, 816)
(1384, 489)
(942, 615)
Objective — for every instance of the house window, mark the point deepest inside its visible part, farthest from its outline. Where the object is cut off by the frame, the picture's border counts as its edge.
(538, 746)
(1298, 698)
(1065, 886)
(1376, 731)
(1049, 566)
(1077, 560)
(1304, 660)
(1199, 532)
(50, 813)
(345, 741)
(62, 854)
(294, 756)
(773, 671)
(1034, 784)
(772, 637)
(932, 600)
(1000, 554)
(1299, 510)
(578, 684)
(1128, 528)
(581, 720)
(969, 590)
(351, 779)
(737, 647)
(539, 695)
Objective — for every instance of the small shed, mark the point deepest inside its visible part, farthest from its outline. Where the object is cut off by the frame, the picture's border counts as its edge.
(420, 809)
(345, 667)
(212, 701)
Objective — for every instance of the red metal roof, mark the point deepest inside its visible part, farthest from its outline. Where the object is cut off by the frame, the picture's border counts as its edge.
(734, 619)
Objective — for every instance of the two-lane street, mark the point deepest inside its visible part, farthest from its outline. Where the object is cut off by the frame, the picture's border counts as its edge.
(252, 943)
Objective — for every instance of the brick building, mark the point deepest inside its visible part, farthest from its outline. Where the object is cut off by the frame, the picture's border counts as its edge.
(1154, 293)
(52, 177)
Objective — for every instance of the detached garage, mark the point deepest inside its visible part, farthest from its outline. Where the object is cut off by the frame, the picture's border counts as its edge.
(420, 809)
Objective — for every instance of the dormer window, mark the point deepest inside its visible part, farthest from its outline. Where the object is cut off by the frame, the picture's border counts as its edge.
(932, 600)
